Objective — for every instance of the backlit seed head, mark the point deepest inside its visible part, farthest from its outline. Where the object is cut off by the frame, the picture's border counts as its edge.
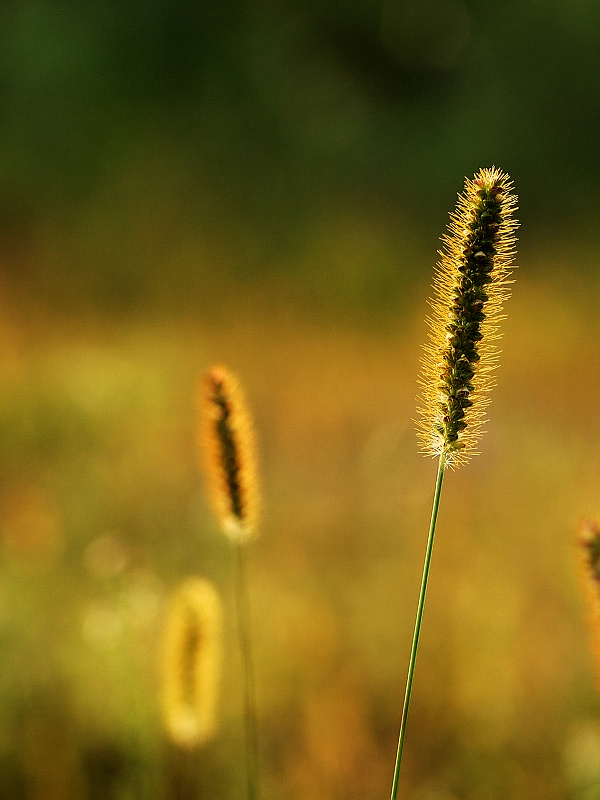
(470, 286)
(192, 663)
(229, 454)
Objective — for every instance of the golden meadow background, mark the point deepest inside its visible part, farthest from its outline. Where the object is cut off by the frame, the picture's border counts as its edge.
(264, 184)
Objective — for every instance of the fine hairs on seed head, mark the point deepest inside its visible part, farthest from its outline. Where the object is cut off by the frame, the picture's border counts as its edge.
(470, 286)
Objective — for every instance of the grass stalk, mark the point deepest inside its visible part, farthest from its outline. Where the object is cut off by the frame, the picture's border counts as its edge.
(418, 621)
(243, 618)
(230, 461)
(471, 284)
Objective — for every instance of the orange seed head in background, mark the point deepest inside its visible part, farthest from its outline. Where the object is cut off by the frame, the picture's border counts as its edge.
(230, 461)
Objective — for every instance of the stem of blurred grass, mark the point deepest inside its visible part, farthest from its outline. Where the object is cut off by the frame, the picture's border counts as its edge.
(243, 615)
(418, 621)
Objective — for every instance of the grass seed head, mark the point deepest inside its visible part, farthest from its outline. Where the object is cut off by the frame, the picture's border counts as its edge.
(192, 663)
(588, 559)
(470, 286)
(229, 449)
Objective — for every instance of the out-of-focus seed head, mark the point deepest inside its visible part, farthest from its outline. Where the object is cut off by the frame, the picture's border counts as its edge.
(229, 454)
(588, 558)
(192, 663)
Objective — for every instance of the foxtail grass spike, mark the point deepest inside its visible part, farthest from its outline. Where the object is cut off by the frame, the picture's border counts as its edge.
(588, 557)
(192, 663)
(228, 439)
(471, 285)
(229, 449)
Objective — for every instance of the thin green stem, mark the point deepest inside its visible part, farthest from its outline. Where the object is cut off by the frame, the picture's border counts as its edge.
(243, 616)
(418, 620)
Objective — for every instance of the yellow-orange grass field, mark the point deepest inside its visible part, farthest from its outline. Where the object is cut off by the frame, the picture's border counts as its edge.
(103, 511)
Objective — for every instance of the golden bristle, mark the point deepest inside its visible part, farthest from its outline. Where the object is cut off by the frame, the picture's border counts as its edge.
(471, 285)
(228, 442)
(588, 558)
(192, 663)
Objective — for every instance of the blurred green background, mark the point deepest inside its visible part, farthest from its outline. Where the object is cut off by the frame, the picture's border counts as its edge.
(264, 185)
